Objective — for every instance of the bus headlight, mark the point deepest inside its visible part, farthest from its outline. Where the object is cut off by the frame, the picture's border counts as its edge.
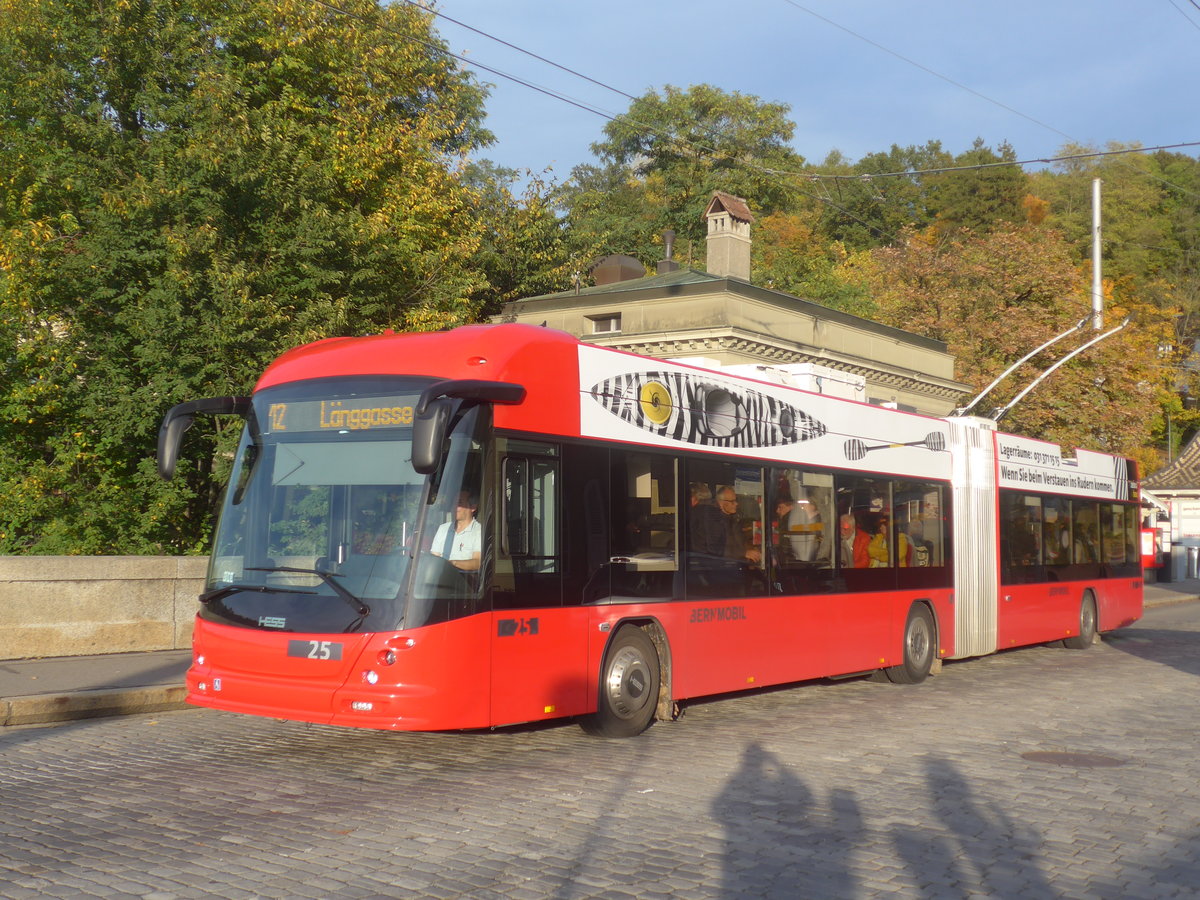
(371, 676)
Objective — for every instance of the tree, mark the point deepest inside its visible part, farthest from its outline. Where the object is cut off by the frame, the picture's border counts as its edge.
(994, 297)
(661, 161)
(187, 187)
(1135, 224)
(1150, 230)
(989, 192)
(790, 255)
(523, 252)
(862, 211)
(883, 193)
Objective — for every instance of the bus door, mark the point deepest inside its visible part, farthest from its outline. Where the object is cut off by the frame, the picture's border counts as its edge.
(731, 643)
(867, 628)
(538, 646)
(1031, 550)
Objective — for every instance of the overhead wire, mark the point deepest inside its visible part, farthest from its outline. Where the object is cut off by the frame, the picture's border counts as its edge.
(804, 175)
(713, 151)
(511, 46)
(549, 92)
(1183, 12)
(1071, 157)
(814, 176)
(583, 106)
(963, 87)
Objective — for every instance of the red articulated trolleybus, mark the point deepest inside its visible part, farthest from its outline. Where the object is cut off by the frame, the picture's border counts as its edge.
(501, 524)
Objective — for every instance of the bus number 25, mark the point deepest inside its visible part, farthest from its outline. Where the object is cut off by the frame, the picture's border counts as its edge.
(309, 649)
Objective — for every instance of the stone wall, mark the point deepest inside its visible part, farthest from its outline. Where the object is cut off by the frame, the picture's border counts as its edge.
(84, 605)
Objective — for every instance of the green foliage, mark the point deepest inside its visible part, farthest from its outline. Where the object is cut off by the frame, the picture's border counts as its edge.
(789, 254)
(989, 258)
(189, 187)
(523, 252)
(661, 161)
(869, 211)
(861, 211)
(978, 199)
(1150, 222)
(186, 189)
(1135, 220)
(994, 297)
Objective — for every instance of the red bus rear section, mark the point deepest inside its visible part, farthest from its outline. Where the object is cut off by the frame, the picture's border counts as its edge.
(500, 524)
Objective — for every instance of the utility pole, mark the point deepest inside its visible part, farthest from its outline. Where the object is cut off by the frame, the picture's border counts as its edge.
(1097, 289)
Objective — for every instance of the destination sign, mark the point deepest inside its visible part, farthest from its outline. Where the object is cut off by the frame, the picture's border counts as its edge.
(358, 414)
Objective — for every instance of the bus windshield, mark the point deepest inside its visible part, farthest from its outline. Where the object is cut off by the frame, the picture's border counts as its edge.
(324, 513)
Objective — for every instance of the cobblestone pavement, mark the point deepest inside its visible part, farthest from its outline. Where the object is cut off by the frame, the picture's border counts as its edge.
(1036, 773)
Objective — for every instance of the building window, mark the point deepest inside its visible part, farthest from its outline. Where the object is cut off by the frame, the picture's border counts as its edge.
(606, 324)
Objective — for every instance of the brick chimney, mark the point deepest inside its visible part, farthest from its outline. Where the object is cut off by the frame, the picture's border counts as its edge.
(729, 221)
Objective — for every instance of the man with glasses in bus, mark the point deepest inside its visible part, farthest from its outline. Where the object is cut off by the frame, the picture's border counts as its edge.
(735, 540)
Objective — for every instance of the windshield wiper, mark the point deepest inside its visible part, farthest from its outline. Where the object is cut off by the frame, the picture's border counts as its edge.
(226, 590)
(328, 577)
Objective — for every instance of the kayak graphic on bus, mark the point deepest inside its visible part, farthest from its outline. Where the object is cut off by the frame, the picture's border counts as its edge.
(689, 407)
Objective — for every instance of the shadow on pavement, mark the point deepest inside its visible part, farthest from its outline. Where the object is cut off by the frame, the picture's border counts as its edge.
(1177, 648)
(783, 841)
(779, 842)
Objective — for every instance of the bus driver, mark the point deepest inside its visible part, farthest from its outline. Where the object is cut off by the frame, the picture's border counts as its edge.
(462, 547)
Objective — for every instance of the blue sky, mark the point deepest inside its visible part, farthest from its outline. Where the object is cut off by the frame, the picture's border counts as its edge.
(1035, 74)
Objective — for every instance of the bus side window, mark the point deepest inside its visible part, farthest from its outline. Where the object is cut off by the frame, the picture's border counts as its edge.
(919, 514)
(530, 494)
(643, 543)
(1056, 531)
(1085, 524)
(724, 530)
(865, 523)
(802, 530)
(1114, 533)
(543, 499)
(1021, 529)
(1133, 536)
(516, 494)
(803, 522)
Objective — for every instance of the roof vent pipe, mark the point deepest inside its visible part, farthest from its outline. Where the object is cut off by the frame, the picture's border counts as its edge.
(667, 263)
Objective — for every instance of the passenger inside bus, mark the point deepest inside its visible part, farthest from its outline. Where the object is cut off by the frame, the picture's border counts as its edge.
(1056, 539)
(1023, 543)
(800, 529)
(736, 546)
(854, 543)
(706, 527)
(722, 561)
(1087, 549)
(878, 549)
(912, 548)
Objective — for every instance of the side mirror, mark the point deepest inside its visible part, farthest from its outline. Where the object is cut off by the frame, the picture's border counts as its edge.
(429, 433)
(433, 410)
(179, 418)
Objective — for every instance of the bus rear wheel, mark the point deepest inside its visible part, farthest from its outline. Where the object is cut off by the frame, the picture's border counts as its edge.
(629, 680)
(1087, 626)
(918, 648)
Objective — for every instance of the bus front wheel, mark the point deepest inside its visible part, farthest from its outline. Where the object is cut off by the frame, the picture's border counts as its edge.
(628, 693)
(918, 648)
